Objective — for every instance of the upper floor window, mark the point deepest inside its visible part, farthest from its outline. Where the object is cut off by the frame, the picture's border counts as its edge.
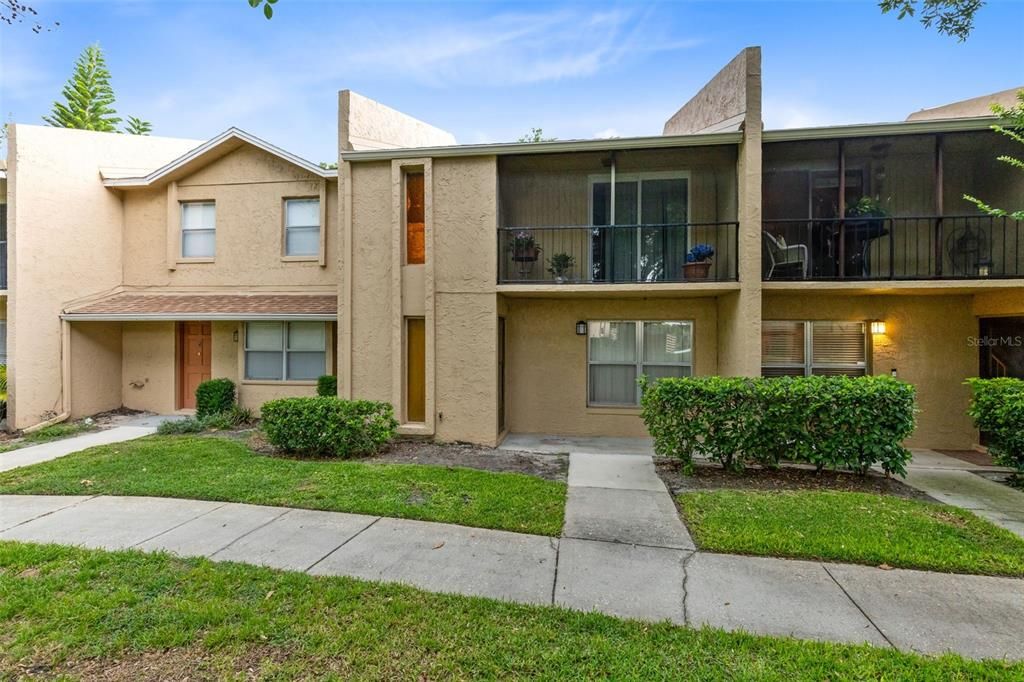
(415, 248)
(820, 347)
(198, 229)
(302, 227)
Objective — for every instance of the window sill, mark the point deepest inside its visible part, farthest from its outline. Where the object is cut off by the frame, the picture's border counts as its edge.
(189, 261)
(276, 382)
(300, 259)
(613, 409)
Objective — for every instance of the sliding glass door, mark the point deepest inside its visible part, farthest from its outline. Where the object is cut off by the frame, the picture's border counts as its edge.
(643, 238)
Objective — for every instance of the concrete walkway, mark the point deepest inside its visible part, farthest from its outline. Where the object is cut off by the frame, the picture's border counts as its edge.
(976, 616)
(952, 481)
(44, 452)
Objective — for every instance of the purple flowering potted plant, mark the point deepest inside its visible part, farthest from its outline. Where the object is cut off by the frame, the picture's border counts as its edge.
(523, 247)
(698, 262)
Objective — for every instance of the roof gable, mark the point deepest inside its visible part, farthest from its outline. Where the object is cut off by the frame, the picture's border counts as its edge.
(208, 152)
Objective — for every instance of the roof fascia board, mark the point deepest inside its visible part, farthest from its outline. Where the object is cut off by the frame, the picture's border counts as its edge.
(555, 147)
(209, 146)
(193, 317)
(949, 125)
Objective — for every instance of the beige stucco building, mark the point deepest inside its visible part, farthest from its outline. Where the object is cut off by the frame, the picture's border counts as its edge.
(512, 288)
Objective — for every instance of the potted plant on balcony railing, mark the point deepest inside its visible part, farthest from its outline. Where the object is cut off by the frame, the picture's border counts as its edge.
(559, 266)
(523, 247)
(698, 262)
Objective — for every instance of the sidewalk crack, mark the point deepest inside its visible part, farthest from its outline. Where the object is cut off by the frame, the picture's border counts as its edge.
(557, 542)
(686, 591)
(168, 530)
(862, 611)
(251, 531)
(49, 513)
(347, 540)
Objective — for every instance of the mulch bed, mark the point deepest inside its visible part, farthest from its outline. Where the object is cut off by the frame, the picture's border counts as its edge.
(550, 467)
(712, 477)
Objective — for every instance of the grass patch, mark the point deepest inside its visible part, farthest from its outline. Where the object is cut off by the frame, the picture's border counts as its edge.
(226, 470)
(851, 527)
(81, 612)
(45, 435)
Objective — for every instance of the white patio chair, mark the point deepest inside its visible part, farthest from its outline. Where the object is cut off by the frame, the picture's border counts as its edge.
(779, 255)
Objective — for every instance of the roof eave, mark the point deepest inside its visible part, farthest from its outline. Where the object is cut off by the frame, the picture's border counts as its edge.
(196, 317)
(947, 125)
(554, 147)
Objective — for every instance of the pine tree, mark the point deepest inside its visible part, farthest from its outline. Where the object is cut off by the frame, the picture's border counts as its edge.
(136, 126)
(88, 94)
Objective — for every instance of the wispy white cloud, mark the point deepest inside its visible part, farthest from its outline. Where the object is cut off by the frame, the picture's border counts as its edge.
(607, 134)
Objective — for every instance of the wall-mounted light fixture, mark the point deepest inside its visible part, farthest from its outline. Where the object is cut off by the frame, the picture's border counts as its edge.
(234, 336)
(581, 328)
(877, 327)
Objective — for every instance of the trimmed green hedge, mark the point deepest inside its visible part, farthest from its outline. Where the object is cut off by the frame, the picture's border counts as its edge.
(328, 426)
(831, 422)
(997, 408)
(327, 385)
(214, 396)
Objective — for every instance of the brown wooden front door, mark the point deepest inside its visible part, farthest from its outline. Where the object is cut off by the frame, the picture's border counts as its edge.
(194, 346)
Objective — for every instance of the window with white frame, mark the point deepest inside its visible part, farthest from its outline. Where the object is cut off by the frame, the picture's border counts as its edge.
(278, 351)
(198, 229)
(302, 227)
(813, 347)
(618, 352)
(3, 342)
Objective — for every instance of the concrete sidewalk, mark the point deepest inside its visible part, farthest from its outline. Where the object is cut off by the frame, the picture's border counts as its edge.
(928, 612)
(44, 452)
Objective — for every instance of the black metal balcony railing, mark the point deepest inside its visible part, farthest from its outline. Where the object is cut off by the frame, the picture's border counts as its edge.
(616, 254)
(910, 248)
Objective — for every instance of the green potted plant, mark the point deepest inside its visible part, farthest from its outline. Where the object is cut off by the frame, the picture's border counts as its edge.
(698, 262)
(523, 247)
(559, 266)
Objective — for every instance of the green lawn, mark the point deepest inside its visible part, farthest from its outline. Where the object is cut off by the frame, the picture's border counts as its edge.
(55, 432)
(223, 469)
(81, 612)
(851, 527)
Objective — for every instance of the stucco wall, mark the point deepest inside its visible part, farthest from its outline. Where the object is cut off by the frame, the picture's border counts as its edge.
(996, 303)
(366, 124)
(547, 361)
(95, 368)
(249, 187)
(720, 104)
(926, 341)
(64, 232)
(149, 362)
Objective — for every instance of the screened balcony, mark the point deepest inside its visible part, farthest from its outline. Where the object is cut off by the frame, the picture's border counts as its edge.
(890, 208)
(629, 217)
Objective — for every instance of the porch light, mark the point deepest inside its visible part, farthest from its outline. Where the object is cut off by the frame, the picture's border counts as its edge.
(581, 328)
(877, 327)
(984, 268)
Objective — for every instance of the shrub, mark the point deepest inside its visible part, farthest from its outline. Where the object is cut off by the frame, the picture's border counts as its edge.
(328, 426)
(180, 426)
(327, 385)
(830, 422)
(997, 408)
(214, 397)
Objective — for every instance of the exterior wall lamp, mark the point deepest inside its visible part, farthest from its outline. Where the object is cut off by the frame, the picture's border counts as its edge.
(581, 328)
(877, 327)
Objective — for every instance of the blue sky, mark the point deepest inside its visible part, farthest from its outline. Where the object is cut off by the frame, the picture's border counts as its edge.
(491, 71)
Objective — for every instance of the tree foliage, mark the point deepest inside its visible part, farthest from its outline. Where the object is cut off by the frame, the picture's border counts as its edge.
(1015, 131)
(89, 99)
(954, 18)
(14, 12)
(268, 7)
(536, 135)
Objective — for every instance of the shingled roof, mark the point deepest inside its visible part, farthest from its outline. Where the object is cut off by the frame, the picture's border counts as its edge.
(131, 306)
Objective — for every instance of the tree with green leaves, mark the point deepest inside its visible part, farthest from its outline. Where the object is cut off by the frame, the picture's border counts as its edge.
(89, 99)
(1014, 130)
(268, 7)
(536, 135)
(954, 18)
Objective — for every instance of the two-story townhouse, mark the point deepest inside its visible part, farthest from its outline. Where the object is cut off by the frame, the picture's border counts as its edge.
(841, 250)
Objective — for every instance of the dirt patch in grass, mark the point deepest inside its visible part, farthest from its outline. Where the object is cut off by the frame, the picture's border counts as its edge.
(550, 467)
(713, 477)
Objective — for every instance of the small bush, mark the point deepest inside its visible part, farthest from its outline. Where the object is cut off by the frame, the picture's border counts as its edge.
(328, 426)
(180, 426)
(327, 385)
(214, 397)
(830, 422)
(230, 419)
(997, 408)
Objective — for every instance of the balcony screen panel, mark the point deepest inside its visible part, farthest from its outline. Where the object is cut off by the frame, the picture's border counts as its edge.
(663, 250)
(613, 384)
(668, 342)
(782, 342)
(612, 342)
(838, 343)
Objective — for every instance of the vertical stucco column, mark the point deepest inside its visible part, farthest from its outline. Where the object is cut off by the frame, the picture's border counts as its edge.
(739, 313)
